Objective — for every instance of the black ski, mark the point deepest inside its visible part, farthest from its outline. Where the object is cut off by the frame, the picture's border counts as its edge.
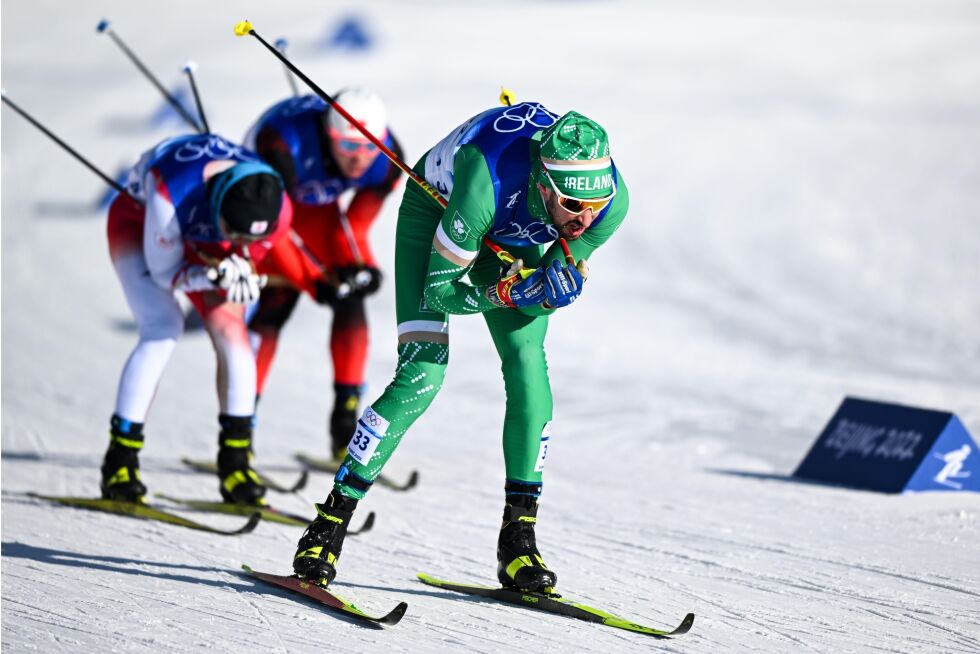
(332, 465)
(269, 513)
(147, 512)
(212, 467)
(557, 604)
(327, 599)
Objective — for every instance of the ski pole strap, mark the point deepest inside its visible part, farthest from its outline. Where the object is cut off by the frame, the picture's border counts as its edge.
(501, 253)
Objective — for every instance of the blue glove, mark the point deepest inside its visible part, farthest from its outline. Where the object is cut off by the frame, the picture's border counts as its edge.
(563, 285)
(518, 287)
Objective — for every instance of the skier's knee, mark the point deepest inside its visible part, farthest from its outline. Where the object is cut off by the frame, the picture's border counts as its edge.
(164, 327)
(521, 360)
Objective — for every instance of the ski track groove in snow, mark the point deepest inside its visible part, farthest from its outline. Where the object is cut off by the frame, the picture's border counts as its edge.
(970, 643)
(62, 621)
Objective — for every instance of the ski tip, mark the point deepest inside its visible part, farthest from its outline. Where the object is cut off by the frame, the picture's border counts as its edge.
(247, 568)
(301, 482)
(368, 523)
(253, 522)
(685, 625)
(413, 480)
(395, 615)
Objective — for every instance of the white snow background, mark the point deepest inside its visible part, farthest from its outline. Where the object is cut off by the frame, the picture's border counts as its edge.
(805, 225)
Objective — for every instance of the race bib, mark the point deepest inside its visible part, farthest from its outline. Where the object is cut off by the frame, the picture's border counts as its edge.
(543, 448)
(371, 428)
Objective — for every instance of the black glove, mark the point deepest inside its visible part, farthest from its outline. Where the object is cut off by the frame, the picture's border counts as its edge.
(331, 292)
(363, 280)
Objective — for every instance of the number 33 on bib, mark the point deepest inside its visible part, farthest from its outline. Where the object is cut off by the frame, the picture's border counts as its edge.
(371, 428)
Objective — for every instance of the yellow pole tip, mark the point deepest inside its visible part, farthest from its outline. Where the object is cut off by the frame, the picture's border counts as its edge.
(506, 96)
(243, 28)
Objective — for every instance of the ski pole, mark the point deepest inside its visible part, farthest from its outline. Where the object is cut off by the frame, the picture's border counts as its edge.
(363, 277)
(359, 280)
(343, 288)
(189, 68)
(245, 28)
(104, 28)
(281, 45)
(70, 150)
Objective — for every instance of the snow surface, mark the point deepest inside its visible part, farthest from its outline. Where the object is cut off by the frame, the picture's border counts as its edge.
(804, 226)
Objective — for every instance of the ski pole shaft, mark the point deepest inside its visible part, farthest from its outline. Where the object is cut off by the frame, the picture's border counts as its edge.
(245, 28)
(70, 150)
(343, 288)
(281, 45)
(351, 241)
(569, 259)
(189, 68)
(104, 28)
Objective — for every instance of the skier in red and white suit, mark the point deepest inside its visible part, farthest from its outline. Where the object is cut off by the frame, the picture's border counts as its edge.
(321, 156)
(211, 209)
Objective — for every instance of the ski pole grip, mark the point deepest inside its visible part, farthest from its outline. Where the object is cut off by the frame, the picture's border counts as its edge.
(569, 259)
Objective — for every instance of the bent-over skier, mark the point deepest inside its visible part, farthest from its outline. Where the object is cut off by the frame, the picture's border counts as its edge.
(527, 180)
(211, 210)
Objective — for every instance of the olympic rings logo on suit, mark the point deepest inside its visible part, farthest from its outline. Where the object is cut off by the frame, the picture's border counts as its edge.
(372, 418)
(215, 148)
(538, 233)
(318, 192)
(516, 118)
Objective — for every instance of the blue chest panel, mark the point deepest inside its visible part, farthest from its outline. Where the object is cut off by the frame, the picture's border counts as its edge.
(297, 121)
(503, 136)
(180, 163)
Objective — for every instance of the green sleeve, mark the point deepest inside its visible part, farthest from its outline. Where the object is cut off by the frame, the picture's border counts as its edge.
(459, 237)
(591, 239)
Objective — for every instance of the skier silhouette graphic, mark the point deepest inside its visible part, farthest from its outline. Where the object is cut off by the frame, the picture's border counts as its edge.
(954, 464)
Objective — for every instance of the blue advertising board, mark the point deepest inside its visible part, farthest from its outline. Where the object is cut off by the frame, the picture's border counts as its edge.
(893, 449)
(351, 34)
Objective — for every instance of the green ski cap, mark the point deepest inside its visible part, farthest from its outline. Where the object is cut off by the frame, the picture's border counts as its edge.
(575, 154)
